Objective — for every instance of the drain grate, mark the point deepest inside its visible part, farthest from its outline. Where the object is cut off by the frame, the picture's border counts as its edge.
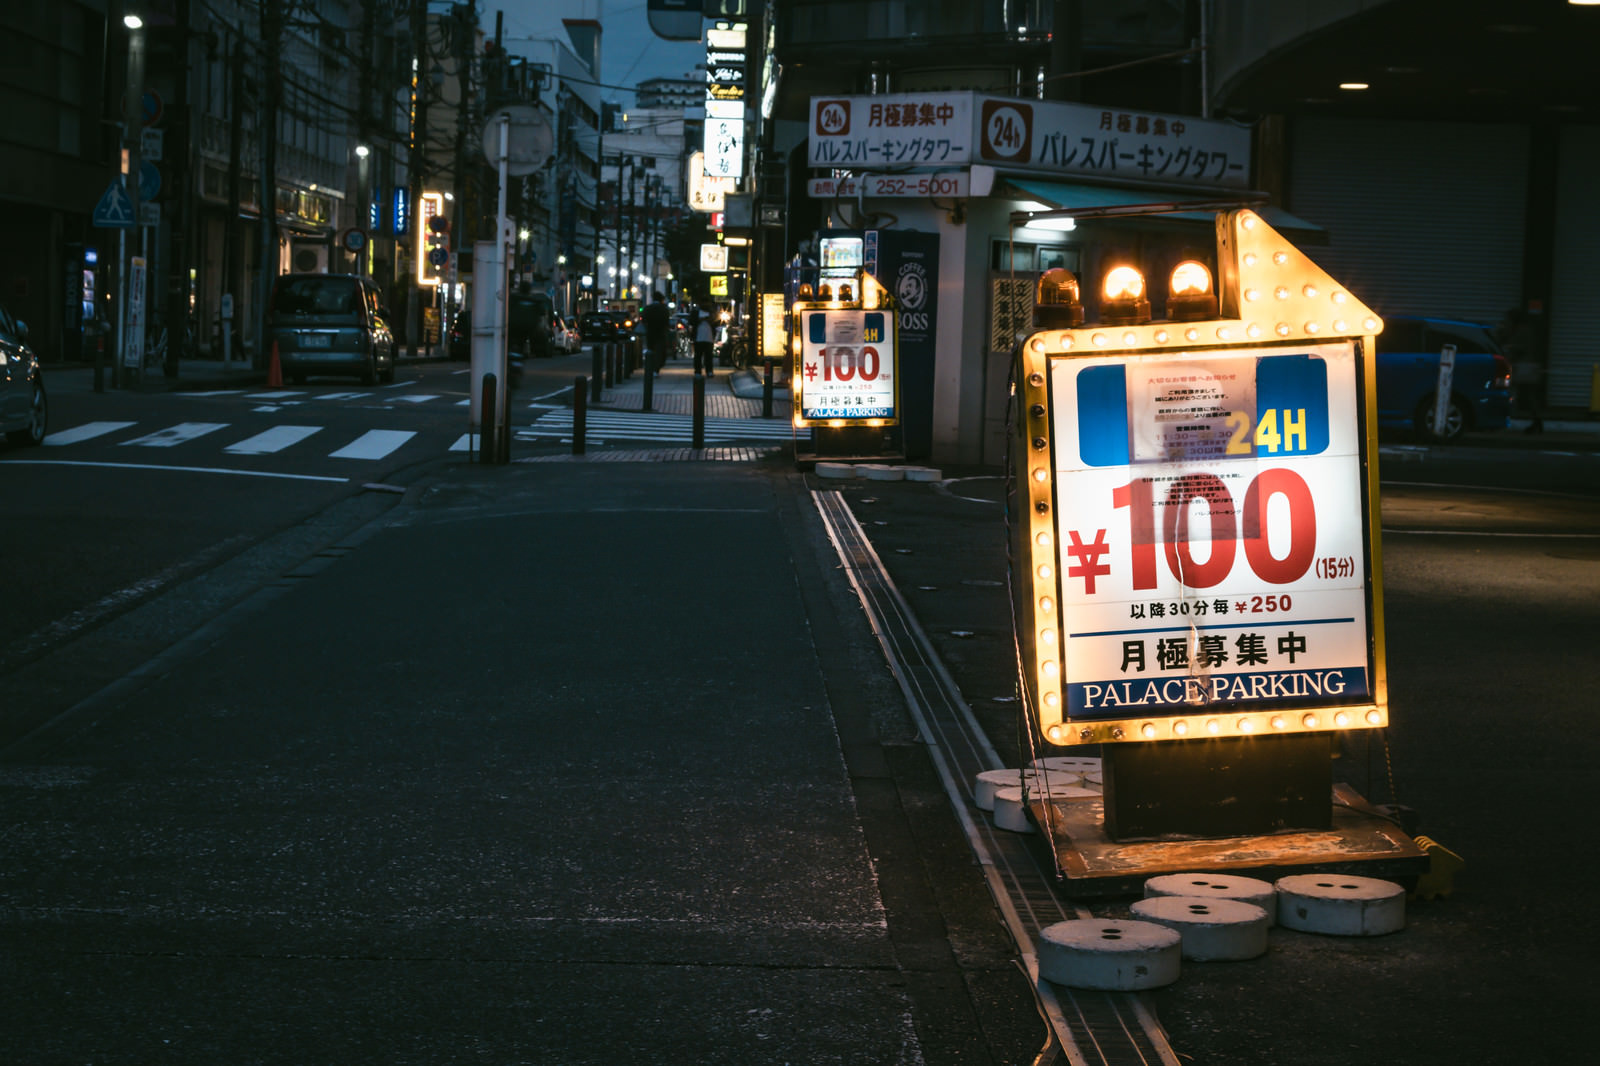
(1092, 1028)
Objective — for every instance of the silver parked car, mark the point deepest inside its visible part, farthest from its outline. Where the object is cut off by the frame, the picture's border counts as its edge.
(330, 324)
(24, 408)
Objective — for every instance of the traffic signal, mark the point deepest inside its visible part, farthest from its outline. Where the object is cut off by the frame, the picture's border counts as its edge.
(433, 240)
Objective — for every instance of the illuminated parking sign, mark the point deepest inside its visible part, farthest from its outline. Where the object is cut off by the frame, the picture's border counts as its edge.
(1202, 525)
(846, 372)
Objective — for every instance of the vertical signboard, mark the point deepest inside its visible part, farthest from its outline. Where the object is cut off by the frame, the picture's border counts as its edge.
(908, 267)
(133, 332)
(725, 100)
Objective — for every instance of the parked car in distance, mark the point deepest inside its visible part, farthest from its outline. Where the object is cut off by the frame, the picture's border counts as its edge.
(1408, 375)
(330, 324)
(24, 408)
(564, 333)
(606, 325)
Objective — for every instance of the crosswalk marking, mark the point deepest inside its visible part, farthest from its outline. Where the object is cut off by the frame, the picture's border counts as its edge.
(414, 397)
(341, 396)
(373, 444)
(172, 435)
(273, 440)
(87, 431)
(623, 425)
(463, 443)
(287, 395)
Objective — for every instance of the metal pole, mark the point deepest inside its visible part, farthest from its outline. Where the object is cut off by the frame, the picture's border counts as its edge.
(699, 412)
(579, 414)
(649, 384)
(595, 372)
(488, 432)
(502, 267)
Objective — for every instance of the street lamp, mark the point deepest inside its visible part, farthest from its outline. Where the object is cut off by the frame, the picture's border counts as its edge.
(363, 208)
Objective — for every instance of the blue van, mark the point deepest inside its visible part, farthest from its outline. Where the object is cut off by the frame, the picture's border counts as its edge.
(1408, 375)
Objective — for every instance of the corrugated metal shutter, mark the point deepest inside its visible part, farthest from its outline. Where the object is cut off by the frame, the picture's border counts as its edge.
(1574, 306)
(1423, 218)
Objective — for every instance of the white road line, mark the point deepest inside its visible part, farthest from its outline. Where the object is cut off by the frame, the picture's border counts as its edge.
(418, 397)
(341, 396)
(267, 395)
(463, 443)
(173, 435)
(373, 444)
(176, 469)
(273, 440)
(87, 431)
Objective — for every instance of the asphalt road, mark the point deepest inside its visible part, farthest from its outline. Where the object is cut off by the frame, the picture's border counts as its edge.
(433, 763)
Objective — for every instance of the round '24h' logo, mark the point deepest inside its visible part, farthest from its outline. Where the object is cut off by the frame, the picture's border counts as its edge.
(1007, 130)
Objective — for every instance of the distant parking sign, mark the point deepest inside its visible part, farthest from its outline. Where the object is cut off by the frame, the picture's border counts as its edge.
(847, 370)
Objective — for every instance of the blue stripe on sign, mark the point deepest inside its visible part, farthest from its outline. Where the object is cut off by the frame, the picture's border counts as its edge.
(1126, 697)
(817, 327)
(1296, 386)
(1103, 416)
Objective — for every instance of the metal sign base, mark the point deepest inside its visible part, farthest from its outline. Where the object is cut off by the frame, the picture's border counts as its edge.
(1359, 841)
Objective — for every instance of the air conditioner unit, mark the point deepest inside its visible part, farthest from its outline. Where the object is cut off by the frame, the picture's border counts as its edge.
(308, 258)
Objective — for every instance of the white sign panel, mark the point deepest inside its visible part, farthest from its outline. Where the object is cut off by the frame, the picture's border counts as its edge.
(714, 258)
(896, 129)
(1088, 141)
(1209, 536)
(133, 321)
(724, 139)
(948, 183)
(847, 365)
(1078, 140)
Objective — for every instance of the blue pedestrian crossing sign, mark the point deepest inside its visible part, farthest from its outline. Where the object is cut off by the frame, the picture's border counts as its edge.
(115, 209)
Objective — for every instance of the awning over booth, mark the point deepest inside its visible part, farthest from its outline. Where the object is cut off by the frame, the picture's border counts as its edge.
(1073, 197)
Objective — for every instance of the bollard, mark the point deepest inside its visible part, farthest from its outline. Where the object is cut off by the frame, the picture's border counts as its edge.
(580, 414)
(699, 412)
(488, 438)
(766, 389)
(595, 356)
(648, 403)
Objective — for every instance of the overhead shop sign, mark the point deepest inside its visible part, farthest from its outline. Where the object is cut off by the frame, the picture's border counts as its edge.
(1078, 140)
(1198, 533)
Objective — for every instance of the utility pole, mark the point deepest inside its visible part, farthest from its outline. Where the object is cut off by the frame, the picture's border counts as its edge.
(232, 237)
(414, 166)
(267, 135)
(464, 22)
(1066, 51)
(364, 127)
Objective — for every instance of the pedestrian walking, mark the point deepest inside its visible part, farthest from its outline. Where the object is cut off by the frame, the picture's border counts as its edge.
(703, 339)
(657, 331)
